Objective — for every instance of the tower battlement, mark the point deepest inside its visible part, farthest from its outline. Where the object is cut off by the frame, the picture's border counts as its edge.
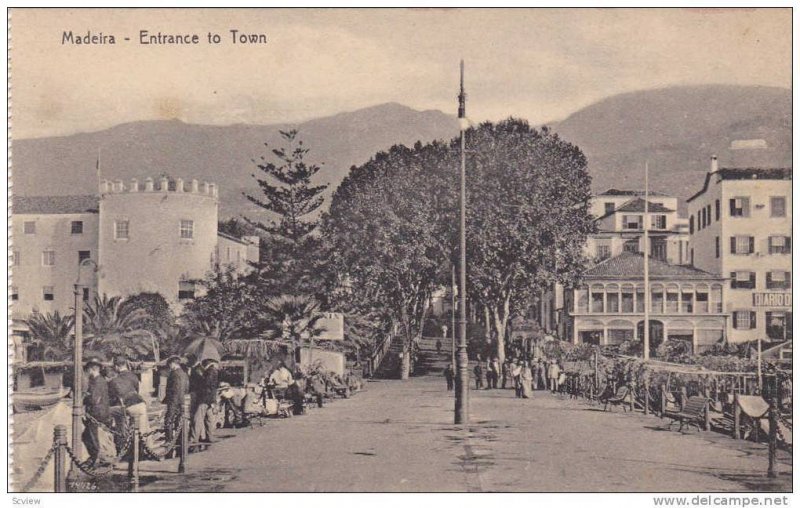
(160, 185)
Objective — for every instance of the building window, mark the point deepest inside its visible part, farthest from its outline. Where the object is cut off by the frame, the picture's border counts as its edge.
(658, 249)
(597, 300)
(603, 252)
(48, 258)
(691, 224)
(740, 207)
(47, 294)
(29, 227)
(699, 219)
(716, 210)
(121, 230)
(708, 215)
(672, 300)
(777, 206)
(14, 293)
(686, 302)
(779, 280)
(631, 221)
(701, 302)
(639, 300)
(84, 255)
(185, 290)
(582, 300)
(627, 299)
(16, 258)
(77, 227)
(741, 244)
(743, 280)
(612, 302)
(187, 229)
(716, 246)
(780, 245)
(705, 217)
(657, 299)
(744, 320)
(658, 221)
(779, 325)
(609, 207)
(631, 246)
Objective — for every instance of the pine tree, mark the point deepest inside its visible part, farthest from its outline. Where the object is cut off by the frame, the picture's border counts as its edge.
(292, 201)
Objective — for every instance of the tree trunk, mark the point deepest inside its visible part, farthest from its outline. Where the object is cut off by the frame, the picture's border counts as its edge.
(500, 325)
(487, 324)
(405, 364)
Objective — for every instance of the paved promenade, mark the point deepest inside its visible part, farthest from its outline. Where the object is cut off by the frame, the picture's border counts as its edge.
(398, 437)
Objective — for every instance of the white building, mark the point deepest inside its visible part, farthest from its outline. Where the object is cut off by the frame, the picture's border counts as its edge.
(741, 229)
(143, 237)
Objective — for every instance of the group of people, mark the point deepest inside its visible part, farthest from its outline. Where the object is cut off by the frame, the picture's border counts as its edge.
(523, 375)
(112, 394)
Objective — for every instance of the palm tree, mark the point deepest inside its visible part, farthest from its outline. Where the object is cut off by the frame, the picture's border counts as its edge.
(115, 328)
(50, 333)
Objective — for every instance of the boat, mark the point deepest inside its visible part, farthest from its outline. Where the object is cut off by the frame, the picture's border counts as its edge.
(37, 398)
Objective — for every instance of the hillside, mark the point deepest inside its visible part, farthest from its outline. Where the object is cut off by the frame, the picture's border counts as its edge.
(223, 154)
(676, 129)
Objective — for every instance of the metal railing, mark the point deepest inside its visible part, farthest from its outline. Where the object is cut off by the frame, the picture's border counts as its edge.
(379, 354)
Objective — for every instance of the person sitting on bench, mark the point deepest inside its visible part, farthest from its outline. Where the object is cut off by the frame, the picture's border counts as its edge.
(279, 381)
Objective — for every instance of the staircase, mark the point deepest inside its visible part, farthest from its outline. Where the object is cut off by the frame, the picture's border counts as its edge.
(431, 362)
(390, 366)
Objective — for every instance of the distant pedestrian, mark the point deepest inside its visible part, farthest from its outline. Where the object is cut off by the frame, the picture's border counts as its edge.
(495, 367)
(553, 373)
(99, 444)
(516, 372)
(506, 374)
(177, 388)
(478, 370)
(202, 426)
(439, 346)
(526, 381)
(449, 375)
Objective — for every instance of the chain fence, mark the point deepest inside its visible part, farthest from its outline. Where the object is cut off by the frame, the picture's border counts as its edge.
(40, 471)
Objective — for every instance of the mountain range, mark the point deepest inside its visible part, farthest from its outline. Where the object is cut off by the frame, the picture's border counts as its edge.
(675, 129)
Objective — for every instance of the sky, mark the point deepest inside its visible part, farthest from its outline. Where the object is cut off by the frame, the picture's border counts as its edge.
(538, 64)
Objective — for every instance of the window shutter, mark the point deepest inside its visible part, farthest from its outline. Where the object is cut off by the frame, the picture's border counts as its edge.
(769, 279)
(752, 245)
(733, 245)
(788, 242)
(752, 320)
(753, 279)
(733, 208)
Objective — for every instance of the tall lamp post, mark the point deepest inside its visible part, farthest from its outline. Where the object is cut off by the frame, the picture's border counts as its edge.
(462, 380)
(77, 366)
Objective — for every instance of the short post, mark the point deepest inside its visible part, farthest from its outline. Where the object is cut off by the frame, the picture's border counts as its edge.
(184, 433)
(773, 437)
(133, 464)
(647, 396)
(663, 400)
(707, 411)
(737, 416)
(59, 456)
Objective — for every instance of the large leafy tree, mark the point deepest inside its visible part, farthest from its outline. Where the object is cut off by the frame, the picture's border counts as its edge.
(390, 229)
(528, 217)
(50, 334)
(291, 202)
(225, 310)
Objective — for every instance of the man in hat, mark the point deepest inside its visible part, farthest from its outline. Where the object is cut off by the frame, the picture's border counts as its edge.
(177, 388)
(202, 427)
(124, 392)
(98, 412)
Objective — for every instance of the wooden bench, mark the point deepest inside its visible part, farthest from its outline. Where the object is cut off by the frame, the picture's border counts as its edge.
(618, 398)
(693, 413)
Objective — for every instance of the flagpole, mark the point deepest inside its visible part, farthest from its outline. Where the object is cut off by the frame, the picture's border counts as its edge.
(646, 263)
